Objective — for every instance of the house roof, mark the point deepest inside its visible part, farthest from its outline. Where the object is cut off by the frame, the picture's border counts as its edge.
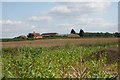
(49, 33)
(36, 34)
(72, 35)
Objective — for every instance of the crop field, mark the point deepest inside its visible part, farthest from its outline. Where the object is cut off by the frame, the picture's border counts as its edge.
(60, 42)
(68, 58)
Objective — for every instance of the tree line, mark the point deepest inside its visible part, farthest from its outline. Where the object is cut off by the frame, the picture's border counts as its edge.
(81, 33)
(97, 34)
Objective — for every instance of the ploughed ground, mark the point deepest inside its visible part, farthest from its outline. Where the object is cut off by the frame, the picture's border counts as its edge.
(112, 57)
(111, 54)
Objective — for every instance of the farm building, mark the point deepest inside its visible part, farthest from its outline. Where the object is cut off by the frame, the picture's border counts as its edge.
(34, 35)
(50, 34)
(71, 35)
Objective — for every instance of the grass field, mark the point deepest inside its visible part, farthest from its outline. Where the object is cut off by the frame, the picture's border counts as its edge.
(61, 58)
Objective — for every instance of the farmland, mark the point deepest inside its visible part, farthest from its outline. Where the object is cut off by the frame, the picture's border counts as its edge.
(61, 58)
(59, 42)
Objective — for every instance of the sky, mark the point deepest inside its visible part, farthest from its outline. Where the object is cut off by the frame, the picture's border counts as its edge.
(21, 18)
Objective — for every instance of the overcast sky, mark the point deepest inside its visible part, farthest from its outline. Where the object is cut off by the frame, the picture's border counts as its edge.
(20, 18)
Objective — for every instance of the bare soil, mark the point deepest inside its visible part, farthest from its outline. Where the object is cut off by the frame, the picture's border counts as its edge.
(111, 53)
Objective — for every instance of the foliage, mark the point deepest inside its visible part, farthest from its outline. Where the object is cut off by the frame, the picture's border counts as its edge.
(21, 37)
(98, 34)
(73, 31)
(54, 62)
(116, 34)
(12, 39)
(81, 33)
(30, 35)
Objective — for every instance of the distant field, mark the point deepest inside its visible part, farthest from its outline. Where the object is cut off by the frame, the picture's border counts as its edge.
(59, 42)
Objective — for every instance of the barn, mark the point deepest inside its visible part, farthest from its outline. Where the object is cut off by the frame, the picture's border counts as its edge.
(50, 34)
(71, 35)
(35, 35)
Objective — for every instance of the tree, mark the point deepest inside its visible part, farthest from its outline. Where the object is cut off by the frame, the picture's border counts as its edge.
(21, 37)
(116, 34)
(30, 35)
(73, 31)
(81, 33)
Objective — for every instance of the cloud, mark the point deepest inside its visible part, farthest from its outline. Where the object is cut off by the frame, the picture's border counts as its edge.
(59, 0)
(60, 9)
(97, 6)
(89, 6)
(33, 26)
(65, 28)
(87, 0)
(96, 24)
(91, 21)
(0, 22)
(73, 9)
(88, 23)
(11, 22)
(40, 18)
(13, 28)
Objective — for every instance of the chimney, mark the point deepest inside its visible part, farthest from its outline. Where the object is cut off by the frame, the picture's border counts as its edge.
(33, 31)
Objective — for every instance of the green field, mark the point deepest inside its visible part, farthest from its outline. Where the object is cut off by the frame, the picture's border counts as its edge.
(68, 61)
(0, 68)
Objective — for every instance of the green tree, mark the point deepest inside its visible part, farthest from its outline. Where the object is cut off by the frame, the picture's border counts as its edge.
(30, 35)
(73, 31)
(21, 37)
(81, 33)
(116, 34)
